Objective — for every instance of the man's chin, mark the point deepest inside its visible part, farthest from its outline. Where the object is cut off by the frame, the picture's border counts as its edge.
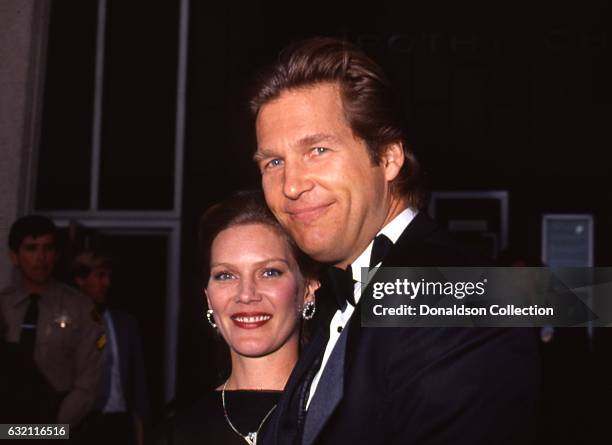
(318, 249)
(39, 280)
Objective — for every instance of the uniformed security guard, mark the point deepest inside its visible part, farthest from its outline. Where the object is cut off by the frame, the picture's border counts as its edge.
(49, 332)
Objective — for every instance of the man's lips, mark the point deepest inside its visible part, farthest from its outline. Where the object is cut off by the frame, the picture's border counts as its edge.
(307, 214)
(250, 320)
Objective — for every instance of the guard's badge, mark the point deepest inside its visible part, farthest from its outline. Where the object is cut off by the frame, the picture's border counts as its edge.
(62, 321)
(101, 341)
(95, 316)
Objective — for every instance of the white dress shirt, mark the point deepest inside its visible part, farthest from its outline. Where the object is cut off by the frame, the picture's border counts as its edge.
(116, 401)
(392, 230)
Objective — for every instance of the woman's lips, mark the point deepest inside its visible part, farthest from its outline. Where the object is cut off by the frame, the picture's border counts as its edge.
(250, 320)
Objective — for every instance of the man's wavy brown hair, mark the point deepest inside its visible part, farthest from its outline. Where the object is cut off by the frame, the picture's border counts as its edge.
(370, 105)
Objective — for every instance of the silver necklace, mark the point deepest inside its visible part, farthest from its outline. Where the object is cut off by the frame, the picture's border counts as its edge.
(250, 438)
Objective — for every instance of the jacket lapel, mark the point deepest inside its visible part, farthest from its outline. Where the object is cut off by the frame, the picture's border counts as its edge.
(330, 391)
(284, 427)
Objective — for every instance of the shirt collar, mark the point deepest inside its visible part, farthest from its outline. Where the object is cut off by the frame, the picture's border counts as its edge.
(397, 225)
(21, 294)
(392, 230)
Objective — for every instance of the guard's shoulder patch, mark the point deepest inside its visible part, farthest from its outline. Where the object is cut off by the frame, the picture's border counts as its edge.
(101, 341)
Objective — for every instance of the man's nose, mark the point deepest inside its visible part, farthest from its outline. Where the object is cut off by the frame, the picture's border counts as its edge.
(296, 180)
(46, 254)
(42, 255)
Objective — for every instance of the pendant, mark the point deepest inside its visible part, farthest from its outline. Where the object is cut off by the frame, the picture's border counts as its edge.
(251, 438)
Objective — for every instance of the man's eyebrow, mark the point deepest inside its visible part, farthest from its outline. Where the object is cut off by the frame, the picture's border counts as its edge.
(317, 138)
(260, 154)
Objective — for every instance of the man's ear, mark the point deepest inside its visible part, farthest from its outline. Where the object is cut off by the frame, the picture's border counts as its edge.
(392, 160)
(310, 288)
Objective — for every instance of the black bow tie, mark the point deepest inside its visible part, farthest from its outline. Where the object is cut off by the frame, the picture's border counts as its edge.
(341, 284)
(381, 247)
(340, 281)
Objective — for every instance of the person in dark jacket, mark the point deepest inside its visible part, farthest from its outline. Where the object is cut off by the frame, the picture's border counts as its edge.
(338, 174)
(122, 402)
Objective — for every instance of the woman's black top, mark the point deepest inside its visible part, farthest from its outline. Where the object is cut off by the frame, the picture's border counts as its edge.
(204, 423)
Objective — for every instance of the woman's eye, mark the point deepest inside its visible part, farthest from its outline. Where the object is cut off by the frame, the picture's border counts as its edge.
(223, 276)
(270, 273)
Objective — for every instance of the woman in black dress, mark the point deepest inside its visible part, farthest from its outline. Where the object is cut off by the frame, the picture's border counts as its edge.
(258, 286)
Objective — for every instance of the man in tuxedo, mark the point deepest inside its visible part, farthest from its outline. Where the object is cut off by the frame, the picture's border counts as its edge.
(339, 176)
(122, 403)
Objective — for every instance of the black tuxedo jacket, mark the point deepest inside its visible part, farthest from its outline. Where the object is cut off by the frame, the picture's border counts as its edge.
(419, 386)
(131, 361)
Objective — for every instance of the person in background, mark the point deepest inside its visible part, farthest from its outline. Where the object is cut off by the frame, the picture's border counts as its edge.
(258, 287)
(574, 396)
(52, 344)
(122, 403)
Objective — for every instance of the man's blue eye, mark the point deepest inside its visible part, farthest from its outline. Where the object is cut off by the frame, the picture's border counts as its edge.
(274, 163)
(269, 273)
(319, 150)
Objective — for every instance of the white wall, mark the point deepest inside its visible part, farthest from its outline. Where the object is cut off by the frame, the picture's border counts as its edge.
(23, 25)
